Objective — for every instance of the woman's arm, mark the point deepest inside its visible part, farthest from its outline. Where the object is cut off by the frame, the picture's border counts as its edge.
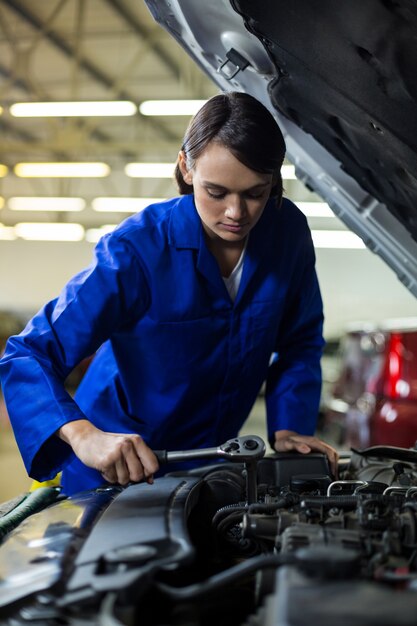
(294, 380)
(93, 305)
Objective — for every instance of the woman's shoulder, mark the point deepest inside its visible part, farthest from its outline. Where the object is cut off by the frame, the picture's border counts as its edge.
(286, 217)
(151, 223)
(153, 215)
(147, 234)
(289, 210)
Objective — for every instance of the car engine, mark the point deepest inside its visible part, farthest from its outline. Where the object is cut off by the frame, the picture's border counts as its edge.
(248, 540)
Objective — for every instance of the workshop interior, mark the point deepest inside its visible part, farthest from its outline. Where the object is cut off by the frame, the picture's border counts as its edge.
(95, 97)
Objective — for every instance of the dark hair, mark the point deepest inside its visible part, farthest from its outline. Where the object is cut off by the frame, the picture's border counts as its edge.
(245, 127)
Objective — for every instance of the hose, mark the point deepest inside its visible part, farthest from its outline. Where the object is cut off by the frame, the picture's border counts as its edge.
(226, 510)
(219, 581)
(34, 502)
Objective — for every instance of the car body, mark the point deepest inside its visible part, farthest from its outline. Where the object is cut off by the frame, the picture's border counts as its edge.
(276, 540)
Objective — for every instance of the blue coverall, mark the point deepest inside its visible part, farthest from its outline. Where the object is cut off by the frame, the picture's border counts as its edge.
(177, 361)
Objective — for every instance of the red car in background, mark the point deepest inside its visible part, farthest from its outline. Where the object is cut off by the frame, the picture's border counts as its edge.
(374, 400)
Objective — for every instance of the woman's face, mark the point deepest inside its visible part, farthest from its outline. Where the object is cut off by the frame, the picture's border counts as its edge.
(229, 197)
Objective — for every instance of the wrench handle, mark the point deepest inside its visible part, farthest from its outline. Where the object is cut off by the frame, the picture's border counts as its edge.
(168, 456)
(245, 449)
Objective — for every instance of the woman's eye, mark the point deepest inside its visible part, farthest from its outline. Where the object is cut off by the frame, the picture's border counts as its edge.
(251, 195)
(254, 196)
(216, 196)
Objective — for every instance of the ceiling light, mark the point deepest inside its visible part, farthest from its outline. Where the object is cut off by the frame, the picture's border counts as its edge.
(171, 107)
(49, 231)
(45, 204)
(315, 209)
(3, 170)
(7, 233)
(150, 170)
(73, 109)
(61, 170)
(123, 205)
(92, 235)
(288, 172)
(336, 239)
(166, 170)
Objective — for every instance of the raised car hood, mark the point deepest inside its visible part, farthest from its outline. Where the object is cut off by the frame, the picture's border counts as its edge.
(340, 79)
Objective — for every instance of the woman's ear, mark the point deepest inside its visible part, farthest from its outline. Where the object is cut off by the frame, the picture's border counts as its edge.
(182, 164)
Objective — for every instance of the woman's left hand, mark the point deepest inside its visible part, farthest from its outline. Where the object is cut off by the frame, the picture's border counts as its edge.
(287, 440)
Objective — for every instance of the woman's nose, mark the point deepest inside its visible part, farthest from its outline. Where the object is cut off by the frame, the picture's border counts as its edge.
(236, 208)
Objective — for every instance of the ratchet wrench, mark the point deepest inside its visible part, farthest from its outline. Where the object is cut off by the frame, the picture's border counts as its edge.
(247, 449)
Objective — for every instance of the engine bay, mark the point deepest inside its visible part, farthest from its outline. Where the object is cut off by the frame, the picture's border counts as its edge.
(197, 547)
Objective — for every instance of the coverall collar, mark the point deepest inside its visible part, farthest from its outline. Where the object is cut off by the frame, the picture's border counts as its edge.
(186, 231)
(185, 228)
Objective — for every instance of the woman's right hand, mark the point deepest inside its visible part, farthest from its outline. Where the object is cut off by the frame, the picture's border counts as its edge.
(120, 458)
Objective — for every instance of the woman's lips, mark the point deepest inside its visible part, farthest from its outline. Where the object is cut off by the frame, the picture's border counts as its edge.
(234, 228)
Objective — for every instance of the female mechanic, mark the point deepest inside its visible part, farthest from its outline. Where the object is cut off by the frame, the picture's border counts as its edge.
(190, 306)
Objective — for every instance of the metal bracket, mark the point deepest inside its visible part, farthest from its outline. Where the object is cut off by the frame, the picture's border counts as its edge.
(233, 64)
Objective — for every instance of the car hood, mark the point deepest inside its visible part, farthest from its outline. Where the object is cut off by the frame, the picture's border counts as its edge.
(340, 80)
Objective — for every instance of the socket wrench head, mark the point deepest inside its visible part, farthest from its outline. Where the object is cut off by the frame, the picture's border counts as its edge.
(243, 449)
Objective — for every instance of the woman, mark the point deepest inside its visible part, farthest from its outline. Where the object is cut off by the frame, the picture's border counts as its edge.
(191, 304)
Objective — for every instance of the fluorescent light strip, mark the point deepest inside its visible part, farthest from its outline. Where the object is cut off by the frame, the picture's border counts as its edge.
(336, 239)
(166, 170)
(171, 107)
(61, 170)
(45, 204)
(315, 209)
(123, 205)
(92, 235)
(150, 170)
(49, 231)
(3, 170)
(118, 108)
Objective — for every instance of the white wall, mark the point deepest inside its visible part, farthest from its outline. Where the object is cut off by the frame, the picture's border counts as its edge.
(356, 285)
(33, 272)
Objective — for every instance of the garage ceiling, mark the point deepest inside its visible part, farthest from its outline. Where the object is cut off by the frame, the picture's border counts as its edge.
(92, 50)
(65, 50)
